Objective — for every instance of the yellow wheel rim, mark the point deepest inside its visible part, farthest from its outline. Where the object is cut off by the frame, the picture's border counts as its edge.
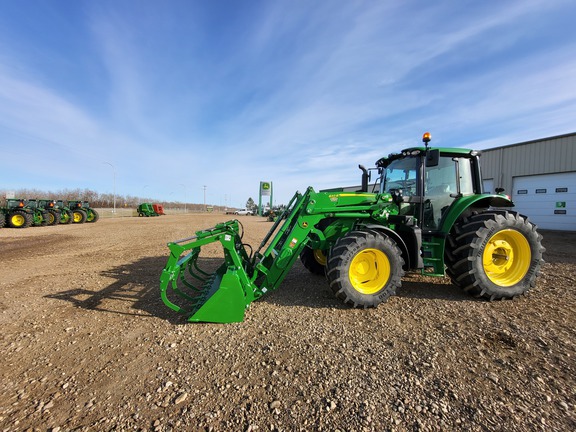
(506, 257)
(77, 217)
(18, 220)
(369, 271)
(320, 256)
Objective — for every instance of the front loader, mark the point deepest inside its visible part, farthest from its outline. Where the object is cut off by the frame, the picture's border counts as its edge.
(425, 212)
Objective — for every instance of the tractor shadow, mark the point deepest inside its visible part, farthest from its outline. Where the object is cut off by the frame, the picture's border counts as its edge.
(134, 291)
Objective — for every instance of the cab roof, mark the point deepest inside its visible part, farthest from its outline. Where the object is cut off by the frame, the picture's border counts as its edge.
(416, 151)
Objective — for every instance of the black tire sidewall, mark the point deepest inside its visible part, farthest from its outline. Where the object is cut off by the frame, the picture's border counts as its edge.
(495, 226)
(340, 259)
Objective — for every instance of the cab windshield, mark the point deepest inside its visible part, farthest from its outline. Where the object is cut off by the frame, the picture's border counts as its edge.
(400, 175)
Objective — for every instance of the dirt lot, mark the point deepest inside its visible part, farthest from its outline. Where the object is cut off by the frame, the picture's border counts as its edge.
(87, 344)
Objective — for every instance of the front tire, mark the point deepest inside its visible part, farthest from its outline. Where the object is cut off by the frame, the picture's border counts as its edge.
(53, 217)
(314, 260)
(496, 254)
(66, 217)
(364, 268)
(92, 216)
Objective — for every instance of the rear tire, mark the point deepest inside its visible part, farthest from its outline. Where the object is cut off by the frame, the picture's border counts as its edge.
(364, 268)
(19, 219)
(2, 220)
(496, 254)
(53, 217)
(78, 216)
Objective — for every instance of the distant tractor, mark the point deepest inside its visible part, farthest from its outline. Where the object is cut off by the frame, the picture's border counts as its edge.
(82, 212)
(40, 217)
(17, 214)
(51, 211)
(66, 216)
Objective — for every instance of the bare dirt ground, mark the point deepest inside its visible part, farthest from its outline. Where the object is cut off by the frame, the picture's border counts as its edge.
(87, 344)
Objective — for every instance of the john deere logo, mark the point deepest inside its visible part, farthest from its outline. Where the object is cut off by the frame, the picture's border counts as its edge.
(265, 186)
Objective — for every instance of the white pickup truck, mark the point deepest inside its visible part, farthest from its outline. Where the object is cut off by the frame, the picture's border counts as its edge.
(244, 212)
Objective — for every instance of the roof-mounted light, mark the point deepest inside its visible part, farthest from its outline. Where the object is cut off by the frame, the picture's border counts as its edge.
(427, 137)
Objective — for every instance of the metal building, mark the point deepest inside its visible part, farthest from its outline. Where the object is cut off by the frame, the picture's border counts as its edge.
(540, 176)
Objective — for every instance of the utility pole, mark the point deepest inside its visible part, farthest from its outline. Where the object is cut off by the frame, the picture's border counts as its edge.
(205, 198)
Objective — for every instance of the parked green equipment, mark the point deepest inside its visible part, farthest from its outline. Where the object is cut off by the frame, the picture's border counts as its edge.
(82, 212)
(52, 212)
(21, 214)
(425, 211)
(41, 217)
(66, 216)
(146, 209)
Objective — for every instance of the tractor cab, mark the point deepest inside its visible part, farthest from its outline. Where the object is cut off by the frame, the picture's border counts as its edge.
(425, 182)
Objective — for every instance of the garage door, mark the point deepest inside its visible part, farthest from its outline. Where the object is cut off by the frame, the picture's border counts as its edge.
(549, 200)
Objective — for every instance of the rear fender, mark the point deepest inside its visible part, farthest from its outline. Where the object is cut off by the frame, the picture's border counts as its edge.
(468, 203)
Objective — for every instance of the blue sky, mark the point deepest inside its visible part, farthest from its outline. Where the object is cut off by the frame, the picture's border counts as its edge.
(173, 95)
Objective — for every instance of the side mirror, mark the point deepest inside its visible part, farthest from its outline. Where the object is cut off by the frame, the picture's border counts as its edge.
(432, 158)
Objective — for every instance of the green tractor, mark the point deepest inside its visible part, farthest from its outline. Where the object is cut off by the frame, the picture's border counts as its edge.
(425, 212)
(21, 214)
(52, 212)
(147, 210)
(82, 212)
(41, 217)
(66, 215)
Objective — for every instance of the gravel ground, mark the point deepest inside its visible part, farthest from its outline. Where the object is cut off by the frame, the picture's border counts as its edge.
(87, 344)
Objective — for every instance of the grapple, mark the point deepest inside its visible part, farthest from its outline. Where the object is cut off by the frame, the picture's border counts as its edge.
(209, 294)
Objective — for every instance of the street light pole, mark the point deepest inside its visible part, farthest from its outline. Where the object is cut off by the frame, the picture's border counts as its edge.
(114, 171)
